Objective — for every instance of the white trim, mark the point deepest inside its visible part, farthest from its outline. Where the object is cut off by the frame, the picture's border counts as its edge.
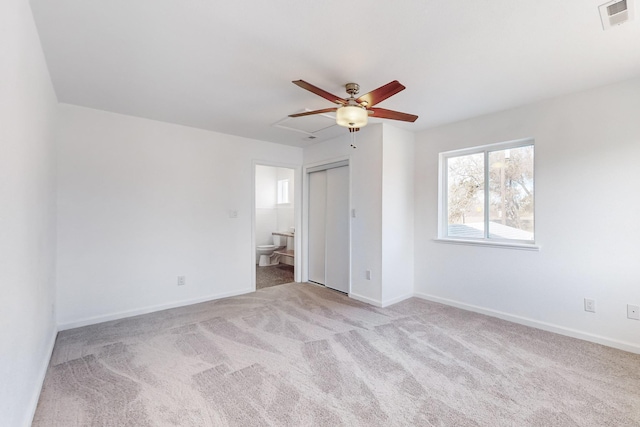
(550, 327)
(503, 245)
(367, 300)
(144, 310)
(497, 146)
(396, 300)
(33, 404)
(327, 166)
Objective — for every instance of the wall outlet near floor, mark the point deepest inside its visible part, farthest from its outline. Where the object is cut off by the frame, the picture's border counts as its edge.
(590, 305)
(633, 312)
(367, 274)
(182, 280)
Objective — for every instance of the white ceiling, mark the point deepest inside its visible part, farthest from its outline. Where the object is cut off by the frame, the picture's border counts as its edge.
(227, 66)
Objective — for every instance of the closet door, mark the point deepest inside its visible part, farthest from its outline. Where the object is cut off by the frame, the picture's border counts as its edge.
(317, 215)
(337, 229)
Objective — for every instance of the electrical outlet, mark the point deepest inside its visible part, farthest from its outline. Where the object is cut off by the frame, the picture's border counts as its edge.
(367, 274)
(182, 280)
(590, 305)
(633, 312)
(233, 214)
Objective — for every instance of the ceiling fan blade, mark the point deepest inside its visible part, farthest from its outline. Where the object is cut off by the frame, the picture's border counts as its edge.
(380, 94)
(308, 113)
(320, 92)
(381, 113)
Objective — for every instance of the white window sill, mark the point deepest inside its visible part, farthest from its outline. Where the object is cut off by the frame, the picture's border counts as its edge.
(503, 245)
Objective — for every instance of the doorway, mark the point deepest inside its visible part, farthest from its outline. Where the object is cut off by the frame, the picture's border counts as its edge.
(328, 222)
(274, 226)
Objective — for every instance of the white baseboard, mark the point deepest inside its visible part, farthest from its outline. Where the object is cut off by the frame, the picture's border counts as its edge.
(370, 301)
(380, 304)
(144, 310)
(396, 300)
(44, 366)
(550, 327)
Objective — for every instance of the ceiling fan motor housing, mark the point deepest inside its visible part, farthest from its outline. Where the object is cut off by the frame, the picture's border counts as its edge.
(352, 88)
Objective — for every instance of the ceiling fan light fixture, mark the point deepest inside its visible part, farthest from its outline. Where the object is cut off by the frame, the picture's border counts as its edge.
(352, 116)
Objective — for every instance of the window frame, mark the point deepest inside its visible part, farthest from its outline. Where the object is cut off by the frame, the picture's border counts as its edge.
(443, 196)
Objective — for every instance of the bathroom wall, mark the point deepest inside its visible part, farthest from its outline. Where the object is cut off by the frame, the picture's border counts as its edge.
(270, 215)
(285, 210)
(266, 212)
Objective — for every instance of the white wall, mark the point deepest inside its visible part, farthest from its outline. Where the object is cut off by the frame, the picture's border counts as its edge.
(286, 219)
(397, 214)
(266, 209)
(141, 202)
(365, 168)
(587, 218)
(27, 214)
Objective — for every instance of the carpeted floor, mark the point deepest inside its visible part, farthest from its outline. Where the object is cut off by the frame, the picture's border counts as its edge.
(302, 355)
(273, 275)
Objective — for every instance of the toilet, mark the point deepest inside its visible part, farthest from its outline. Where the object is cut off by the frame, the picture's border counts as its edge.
(266, 252)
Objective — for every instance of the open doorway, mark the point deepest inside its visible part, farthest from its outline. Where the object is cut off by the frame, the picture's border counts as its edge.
(274, 225)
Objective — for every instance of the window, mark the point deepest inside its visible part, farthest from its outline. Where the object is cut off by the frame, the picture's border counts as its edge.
(486, 193)
(283, 191)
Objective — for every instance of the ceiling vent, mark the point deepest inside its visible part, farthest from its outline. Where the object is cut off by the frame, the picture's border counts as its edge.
(615, 13)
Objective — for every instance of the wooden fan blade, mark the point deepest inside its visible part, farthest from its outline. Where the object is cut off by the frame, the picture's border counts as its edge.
(308, 113)
(380, 94)
(320, 92)
(381, 113)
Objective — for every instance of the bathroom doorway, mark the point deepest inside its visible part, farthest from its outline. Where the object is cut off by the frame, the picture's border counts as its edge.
(275, 222)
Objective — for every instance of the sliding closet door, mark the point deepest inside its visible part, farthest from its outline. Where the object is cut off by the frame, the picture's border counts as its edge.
(317, 215)
(337, 229)
(329, 228)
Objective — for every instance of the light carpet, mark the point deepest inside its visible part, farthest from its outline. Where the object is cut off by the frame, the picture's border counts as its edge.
(303, 355)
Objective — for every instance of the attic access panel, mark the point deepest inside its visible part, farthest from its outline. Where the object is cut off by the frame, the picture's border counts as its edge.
(309, 125)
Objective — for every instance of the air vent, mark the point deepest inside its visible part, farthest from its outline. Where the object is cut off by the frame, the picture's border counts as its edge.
(617, 8)
(615, 13)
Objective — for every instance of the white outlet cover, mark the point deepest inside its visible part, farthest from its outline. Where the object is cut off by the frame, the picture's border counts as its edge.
(633, 312)
(590, 305)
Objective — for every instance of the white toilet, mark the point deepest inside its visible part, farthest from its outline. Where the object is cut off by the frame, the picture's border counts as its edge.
(266, 252)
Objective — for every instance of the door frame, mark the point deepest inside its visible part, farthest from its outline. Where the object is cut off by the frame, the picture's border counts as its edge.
(306, 170)
(297, 204)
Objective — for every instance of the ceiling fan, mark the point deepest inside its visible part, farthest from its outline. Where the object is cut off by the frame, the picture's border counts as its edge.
(354, 112)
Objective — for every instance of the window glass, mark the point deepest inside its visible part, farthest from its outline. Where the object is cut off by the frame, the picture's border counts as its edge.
(283, 191)
(511, 193)
(489, 192)
(465, 202)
